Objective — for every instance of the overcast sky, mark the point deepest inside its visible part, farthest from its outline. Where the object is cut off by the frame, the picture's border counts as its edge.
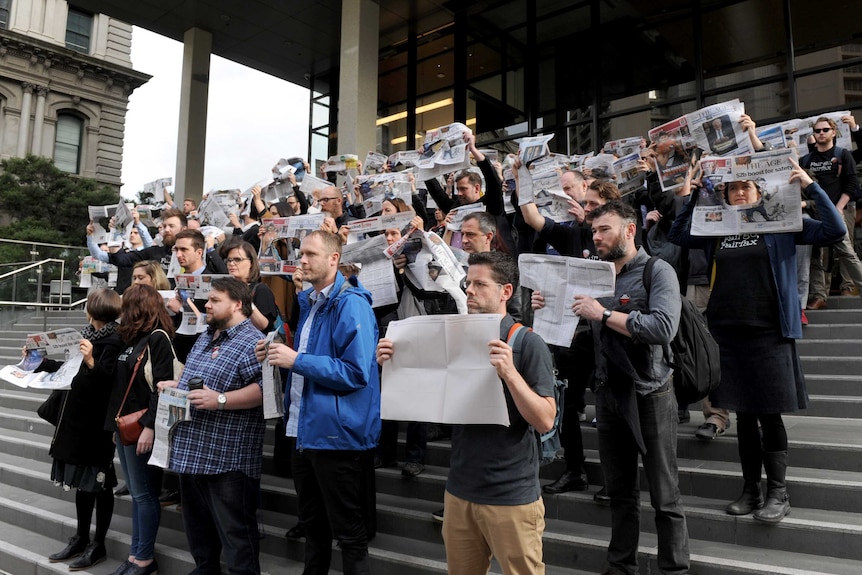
(253, 119)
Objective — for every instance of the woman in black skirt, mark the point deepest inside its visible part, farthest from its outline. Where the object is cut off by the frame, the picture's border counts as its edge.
(753, 313)
(83, 451)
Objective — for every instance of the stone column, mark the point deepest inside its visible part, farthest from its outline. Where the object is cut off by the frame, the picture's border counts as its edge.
(24, 125)
(192, 134)
(39, 120)
(357, 83)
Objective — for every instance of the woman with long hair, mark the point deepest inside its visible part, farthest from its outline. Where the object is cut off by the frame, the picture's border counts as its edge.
(82, 450)
(146, 330)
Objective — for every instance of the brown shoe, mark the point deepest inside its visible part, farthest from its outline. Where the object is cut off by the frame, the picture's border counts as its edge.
(848, 291)
(816, 303)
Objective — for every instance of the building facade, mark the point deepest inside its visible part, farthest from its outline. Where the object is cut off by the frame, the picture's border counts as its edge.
(65, 79)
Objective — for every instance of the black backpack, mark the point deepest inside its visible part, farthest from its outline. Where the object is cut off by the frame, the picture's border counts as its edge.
(696, 358)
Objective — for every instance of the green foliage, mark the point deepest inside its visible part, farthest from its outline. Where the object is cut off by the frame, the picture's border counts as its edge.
(46, 204)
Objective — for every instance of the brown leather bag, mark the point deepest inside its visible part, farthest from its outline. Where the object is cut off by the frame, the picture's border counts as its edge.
(129, 427)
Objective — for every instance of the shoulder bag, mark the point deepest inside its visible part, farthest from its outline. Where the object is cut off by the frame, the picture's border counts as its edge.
(129, 427)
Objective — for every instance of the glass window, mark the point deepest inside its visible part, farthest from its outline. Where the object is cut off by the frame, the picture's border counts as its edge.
(67, 144)
(737, 36)
(79, 27)
(4, 13)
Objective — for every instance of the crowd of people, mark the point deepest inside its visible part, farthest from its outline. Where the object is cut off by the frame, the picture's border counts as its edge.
(332, 343)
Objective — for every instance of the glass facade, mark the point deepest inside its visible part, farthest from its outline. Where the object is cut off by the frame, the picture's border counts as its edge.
(593, 71)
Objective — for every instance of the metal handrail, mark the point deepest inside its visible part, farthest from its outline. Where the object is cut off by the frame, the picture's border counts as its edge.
(33, 265)
(29, 243)
(41, 304)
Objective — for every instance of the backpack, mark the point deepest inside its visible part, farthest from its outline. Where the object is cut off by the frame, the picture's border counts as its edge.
(549, 442)
(696, 358)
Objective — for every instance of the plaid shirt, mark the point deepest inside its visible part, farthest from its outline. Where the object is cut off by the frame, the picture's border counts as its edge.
(219, 441)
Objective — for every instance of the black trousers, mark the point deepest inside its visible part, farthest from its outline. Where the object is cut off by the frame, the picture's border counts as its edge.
(330, 487)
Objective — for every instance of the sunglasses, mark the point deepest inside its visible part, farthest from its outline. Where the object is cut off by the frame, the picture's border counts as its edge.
(821, 130)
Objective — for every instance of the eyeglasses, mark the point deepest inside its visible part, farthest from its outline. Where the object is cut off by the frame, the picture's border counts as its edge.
(324, 200)
(230, 261)
(821, 130)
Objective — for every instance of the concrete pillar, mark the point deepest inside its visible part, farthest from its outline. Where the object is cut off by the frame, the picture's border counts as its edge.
(39, 120)
(192, 135)
(357, 92)
(24, 125)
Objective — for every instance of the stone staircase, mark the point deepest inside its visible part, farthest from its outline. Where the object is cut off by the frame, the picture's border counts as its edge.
(821, 535)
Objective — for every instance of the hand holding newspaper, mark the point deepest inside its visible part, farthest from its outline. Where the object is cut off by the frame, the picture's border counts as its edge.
(273, 395)
(173, 408)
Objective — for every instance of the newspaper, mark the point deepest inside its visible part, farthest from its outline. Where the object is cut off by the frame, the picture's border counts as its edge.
(776, 135)
(600, 166)
(228, 200)
(173, 408)
(576, 161)
(380, 223)
(560, 279)
(196, 286)
(212, 213)
(623, 147)
(416, 387)
(156, 188)
(533, 148)
(627, 175)
(461, 211)
(778, 210)
(342, 163)
(311, 184)
(23, 375)
(101, 217)
(374, 163)
(805, 127)
(148, 214)
(273, 393)
(444, 150)
(292, 227)
(56, 341)
(122, 216)
(536, 163)
(282, 168)
(715, 129)
(376, 271)
(402, 160)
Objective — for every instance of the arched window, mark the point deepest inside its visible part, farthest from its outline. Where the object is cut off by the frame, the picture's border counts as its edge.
(67, 143)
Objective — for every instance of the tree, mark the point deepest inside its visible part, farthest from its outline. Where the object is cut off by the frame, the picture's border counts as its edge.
(47, 204)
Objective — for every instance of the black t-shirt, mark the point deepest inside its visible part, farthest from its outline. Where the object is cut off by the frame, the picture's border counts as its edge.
(836, 175)
(264, 300)
(744, 292)
(497, 465)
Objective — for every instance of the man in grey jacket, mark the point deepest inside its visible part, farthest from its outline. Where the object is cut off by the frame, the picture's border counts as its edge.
(635, 403)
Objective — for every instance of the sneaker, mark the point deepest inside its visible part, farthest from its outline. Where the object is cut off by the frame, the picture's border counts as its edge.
(708, 431)
(438, 515)
(412, 469)
(804, 318)
(602, 496)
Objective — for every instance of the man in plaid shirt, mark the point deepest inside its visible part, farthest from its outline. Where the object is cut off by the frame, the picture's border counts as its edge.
(218, 452)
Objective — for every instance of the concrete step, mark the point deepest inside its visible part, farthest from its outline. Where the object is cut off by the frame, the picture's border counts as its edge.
(834, 316)
(841, 303)
(822, 365)
(844, 385)
(836, 348)
(832, 331)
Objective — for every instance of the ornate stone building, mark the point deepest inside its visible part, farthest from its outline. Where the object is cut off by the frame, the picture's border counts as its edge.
(65, 80)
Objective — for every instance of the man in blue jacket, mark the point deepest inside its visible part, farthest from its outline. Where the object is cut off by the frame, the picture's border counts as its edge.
(332, 407)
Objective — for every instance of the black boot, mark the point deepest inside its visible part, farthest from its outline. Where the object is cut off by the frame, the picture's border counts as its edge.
(777, 500)
(93, 554)
(576, 480)
(750, 500)
(751, 460)
(75, 547)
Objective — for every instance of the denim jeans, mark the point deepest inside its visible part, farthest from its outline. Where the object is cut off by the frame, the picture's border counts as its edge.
(619, 455)
(331, 499)
(220, 512)
(144, 485)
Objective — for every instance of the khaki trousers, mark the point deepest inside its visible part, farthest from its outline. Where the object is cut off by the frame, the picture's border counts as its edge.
(473, 533)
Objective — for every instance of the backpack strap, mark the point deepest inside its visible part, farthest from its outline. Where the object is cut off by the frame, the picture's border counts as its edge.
(647, 280)
(515, 337)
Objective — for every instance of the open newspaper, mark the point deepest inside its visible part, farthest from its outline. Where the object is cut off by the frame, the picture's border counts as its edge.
(375, 270)
(778, 209)
(797, 131)
(560, 279)
(458, 214)
(157, 188)
(627, 175)
(431, 265)
(402, 160)
(173, 408)
(623, 147)
(23, 374)
(360, 229)
(444, 150)
(213, 213)
(107, 273)
(466, 391)
(374, 189)
(715, 129)
(375, 163)
(342, 163)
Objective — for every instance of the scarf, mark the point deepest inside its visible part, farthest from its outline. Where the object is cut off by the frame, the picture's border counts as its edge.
(91, 333)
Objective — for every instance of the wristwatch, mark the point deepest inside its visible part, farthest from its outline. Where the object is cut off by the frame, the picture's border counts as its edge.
(222, 400)
(605, 315)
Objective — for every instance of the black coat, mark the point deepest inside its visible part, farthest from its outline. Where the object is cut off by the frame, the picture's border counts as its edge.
(81, 438)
